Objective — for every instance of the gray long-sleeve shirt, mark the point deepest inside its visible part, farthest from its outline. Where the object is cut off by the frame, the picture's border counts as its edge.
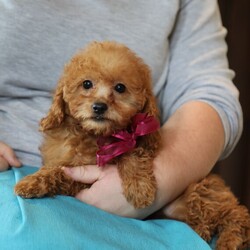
(181, 40)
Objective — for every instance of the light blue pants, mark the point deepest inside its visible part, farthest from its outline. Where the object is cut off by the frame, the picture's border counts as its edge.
(66, 223)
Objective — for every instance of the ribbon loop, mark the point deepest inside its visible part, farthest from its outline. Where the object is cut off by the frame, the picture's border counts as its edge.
(142, 124)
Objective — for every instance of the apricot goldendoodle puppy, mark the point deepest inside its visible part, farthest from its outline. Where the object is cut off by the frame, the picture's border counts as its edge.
(103, 111)
(102, 88)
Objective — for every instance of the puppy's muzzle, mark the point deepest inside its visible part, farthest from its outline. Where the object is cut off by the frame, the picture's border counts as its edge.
(99, 108)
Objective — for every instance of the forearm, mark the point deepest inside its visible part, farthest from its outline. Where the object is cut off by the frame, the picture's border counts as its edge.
(193, 140)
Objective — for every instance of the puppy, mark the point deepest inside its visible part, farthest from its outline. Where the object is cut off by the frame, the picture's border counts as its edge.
(103, 90)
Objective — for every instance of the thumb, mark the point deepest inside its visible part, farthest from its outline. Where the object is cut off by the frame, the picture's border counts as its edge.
(87, 174)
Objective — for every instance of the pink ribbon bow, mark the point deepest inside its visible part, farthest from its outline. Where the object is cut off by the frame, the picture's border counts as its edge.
(142, 124)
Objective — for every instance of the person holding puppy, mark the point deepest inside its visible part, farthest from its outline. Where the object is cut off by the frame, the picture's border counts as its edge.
(183, 43)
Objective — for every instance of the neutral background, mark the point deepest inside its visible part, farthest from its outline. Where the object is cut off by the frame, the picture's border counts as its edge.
(236, 168)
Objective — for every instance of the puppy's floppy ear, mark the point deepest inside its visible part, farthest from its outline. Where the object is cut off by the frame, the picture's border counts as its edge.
(56, 113)
(150, 105)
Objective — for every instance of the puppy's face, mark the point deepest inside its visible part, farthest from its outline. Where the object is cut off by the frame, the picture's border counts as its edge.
(104, 86)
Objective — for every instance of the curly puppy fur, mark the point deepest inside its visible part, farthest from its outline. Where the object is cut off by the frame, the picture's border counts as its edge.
(210, 208)
(72, 128)
(118, 80)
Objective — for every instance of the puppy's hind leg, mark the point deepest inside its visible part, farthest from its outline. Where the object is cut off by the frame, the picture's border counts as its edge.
(234, 229)
(210, 208)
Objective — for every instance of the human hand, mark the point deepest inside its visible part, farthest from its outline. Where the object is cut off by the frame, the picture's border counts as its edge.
(106, 191)
(7, 157)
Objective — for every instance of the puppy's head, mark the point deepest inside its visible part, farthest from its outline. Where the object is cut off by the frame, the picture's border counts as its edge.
(102, 88)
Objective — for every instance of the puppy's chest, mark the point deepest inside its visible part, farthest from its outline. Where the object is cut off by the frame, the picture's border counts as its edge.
(69, 150)
(84, 152)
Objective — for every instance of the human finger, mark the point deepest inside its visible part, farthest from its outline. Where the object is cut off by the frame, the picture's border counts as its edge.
(9, 155)
(86, 174)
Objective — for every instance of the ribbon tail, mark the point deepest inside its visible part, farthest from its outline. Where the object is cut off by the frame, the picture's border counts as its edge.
(108, 152)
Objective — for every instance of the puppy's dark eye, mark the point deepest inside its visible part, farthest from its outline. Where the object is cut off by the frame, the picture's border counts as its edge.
(120, 88)
(87, 84)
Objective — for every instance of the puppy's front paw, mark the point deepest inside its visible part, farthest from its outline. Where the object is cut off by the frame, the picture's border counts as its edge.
(140, 193)
(31, 187)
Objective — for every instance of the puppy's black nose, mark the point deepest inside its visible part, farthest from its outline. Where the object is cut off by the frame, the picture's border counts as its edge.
(99, 108)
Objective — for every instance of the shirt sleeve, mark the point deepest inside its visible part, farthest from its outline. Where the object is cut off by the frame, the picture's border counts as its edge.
(198, 68)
